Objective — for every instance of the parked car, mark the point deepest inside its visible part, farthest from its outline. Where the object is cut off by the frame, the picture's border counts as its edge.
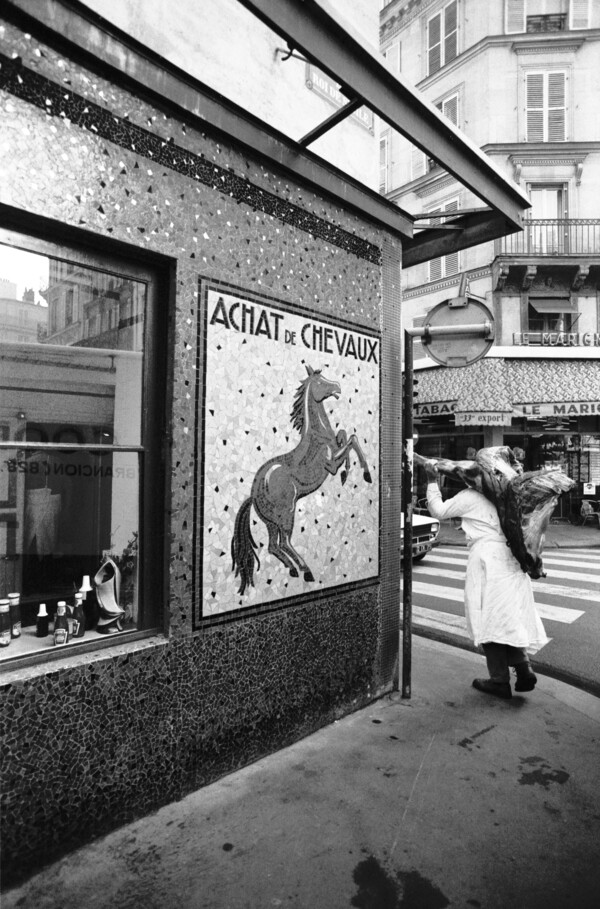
(425, 530)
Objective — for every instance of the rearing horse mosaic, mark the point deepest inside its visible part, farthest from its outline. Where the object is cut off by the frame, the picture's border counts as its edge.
(284, 479)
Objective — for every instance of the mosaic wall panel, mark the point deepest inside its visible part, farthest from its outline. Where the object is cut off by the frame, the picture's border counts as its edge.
(87, 153)
(291, 453)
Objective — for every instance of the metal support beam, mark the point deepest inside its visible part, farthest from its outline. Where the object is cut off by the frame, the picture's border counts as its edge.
(313, 26)
(330, 122)
(474, 229)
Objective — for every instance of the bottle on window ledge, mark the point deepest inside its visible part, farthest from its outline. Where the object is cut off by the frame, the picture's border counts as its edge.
(5, 625)
(78, 617)
(61, 624)
(15, 614)
(42, 622)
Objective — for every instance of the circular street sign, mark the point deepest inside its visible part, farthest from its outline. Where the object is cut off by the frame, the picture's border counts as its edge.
(458, 347)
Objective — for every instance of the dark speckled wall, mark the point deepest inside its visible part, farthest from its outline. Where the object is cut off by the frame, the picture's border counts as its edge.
(98, 739)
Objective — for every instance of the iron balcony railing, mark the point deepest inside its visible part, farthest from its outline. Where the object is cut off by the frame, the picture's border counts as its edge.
(553, 237)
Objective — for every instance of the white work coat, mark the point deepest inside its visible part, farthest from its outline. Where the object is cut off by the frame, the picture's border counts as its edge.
(499, 604)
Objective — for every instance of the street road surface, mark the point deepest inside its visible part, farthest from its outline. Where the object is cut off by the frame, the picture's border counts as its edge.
(568, 601)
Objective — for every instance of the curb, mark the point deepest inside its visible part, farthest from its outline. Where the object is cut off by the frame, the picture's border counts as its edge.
(561, 675)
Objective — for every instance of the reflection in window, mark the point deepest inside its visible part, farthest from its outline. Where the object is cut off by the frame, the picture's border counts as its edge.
(71, 359)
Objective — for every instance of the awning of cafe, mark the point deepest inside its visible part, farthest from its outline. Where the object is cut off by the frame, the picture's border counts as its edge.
(499, 386)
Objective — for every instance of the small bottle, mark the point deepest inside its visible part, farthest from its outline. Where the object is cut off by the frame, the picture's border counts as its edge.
(41, 622)
(61, 625)
(78, 617)
(15, 614)
(4, 623)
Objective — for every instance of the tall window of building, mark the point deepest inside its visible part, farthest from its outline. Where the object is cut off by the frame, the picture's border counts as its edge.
(81, 417)
(546, 100)
(422, 163)
(444, 265)
(383, 164)
(442, 37)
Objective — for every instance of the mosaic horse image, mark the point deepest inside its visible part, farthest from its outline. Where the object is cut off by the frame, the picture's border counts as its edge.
(284, 479)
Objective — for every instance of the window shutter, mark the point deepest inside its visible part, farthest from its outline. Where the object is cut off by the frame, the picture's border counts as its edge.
(579, 14)
(435, 269)
(450, 32)
(383, 165)
(451, 260)
(434, 44)
(418, 162)
(515, 16)
(556, 107)
(392, 55)
(450, 109)
(535, 107)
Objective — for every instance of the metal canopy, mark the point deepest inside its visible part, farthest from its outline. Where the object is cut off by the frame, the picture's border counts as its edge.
(313, 28)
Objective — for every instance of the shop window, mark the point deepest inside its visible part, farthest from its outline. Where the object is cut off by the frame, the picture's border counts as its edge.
(442, 38)
(79, 417)
(548, 317)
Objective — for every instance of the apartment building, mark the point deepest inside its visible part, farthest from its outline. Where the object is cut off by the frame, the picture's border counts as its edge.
(519, 77)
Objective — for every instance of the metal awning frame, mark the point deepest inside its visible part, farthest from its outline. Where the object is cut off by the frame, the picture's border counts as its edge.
(313, 27)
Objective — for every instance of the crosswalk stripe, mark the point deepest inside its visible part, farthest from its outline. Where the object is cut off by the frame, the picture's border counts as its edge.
(443, 621)
(542, 586)
(556, 573)
(546, 611)
(446, 620)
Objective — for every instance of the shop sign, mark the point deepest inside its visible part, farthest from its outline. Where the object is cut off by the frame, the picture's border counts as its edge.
(437, 409)
(556, 339)
(321, 84)
(558, 409)
(290, 409)
(483, 418)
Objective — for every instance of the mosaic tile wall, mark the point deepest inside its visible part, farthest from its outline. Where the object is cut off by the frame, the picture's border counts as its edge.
(92, 743)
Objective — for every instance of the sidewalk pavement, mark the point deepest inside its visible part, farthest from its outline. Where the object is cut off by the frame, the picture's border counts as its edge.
(449, 798)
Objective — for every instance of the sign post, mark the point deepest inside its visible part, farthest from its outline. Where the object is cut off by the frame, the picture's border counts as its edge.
(458, 332)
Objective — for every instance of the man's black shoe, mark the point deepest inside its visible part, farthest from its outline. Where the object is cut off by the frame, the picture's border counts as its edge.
(499, 689)
(526, 678)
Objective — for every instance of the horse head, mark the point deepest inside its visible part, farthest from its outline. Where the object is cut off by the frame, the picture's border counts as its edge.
(319, 387)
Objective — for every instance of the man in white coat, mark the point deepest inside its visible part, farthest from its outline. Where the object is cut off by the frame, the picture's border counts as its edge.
(499, 607)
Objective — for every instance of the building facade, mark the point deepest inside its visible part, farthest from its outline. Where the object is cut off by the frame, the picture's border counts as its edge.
(202, 440)
(518, 76)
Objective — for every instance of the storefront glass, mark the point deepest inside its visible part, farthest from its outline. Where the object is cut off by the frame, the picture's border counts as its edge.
(71, 452)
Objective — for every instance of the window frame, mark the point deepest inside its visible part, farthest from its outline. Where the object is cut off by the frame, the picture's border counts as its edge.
(155, 271)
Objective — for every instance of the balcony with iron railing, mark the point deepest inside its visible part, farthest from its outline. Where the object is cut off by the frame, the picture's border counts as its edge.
(553, 237)
(569, 245)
